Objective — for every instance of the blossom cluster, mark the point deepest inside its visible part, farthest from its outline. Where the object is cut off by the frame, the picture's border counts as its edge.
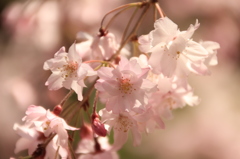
(138, 89)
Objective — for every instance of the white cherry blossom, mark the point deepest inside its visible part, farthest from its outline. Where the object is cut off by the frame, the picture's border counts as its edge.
(32, 138)
(211, 48)
(173, 52)
(29, 140)
(67, 71)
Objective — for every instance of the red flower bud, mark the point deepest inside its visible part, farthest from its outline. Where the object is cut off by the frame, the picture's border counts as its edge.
(57, 110)
(98, 126)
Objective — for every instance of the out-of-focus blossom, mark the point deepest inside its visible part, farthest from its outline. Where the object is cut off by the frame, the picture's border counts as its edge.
(90, 8)
(16, 86)
(32, 21)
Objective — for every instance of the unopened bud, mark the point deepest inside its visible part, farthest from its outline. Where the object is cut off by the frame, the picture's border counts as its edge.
(117, 60)
(98, 126)
(57, 110)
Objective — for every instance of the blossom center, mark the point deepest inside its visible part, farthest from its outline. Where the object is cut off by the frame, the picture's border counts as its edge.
(125, 86)
(46, 125)
(124, 124)
(70, 69)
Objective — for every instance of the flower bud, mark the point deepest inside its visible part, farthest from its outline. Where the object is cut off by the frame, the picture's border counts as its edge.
(57, 110)
(98, 126)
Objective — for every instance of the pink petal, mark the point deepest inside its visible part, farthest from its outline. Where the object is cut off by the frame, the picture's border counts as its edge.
(73, 55)
(54, 82)
(165, 30)
(78, 89)
(120, 138)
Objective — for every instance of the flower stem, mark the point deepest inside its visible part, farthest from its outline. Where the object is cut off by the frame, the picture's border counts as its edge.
(95, 102)
(103, 62)
(155, 12)
(162, 15)
(92, 61)
(129, 22)
(120, 7)
(68, 109)
(71, 150)
(66, 97)
(85, 98)
(111, 20)
(132, 32)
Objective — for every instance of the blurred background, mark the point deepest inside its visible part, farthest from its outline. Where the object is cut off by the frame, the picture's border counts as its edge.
(32, 31)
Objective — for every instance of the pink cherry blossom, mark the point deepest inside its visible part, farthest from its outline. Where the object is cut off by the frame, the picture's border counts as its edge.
(173, 52)
(123, 87)
(48, 123)
(67, 71)
(121, 124)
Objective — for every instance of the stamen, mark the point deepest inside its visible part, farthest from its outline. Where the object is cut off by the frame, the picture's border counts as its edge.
(69, 70)
(125, 85)
(123, 123)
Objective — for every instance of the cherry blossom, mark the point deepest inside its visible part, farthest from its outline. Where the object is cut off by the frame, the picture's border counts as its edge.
(99, 47)
(41, 124)
(123, 87)
(121, 124)
(48, 123)
(124, 122)
(31, 139)
(173, 52)
(67, 71)
(171, 96)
